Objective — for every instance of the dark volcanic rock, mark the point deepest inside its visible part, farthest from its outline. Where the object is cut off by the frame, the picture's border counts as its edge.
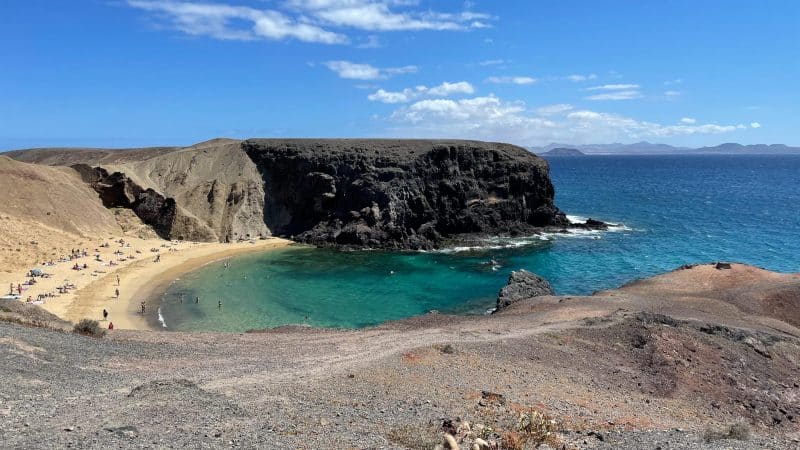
(117, 190)
(400, 194)
(521, 285)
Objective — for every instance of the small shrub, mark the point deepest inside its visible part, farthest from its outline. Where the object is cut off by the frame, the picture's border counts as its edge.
(512, 441)
(89, 327)
(739, 431)
(447, 349)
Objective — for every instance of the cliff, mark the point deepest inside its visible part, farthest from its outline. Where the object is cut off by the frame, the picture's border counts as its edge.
(394, 194)
(409, 194)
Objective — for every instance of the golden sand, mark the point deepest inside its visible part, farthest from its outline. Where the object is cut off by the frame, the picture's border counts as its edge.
(139, 278)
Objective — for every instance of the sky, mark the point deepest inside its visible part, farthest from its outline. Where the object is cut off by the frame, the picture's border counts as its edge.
(122, 73)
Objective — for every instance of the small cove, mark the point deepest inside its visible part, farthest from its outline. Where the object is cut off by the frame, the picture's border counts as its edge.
(676, 210)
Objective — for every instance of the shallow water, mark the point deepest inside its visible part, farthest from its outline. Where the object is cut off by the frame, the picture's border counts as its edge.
(676, 210)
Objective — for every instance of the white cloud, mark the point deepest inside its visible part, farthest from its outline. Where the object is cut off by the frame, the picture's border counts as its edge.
(672, 93)
(613, 87)
(386, 15)
(578, 77)
(755, 125)
(217, 21)
(552, 110)
(490, 118)
(492, 62)
(616, 95)
(383, 96)
(445, 89)
(305, 20)
(511, 80)
(688, 120)
(673, 82)
(355, 71)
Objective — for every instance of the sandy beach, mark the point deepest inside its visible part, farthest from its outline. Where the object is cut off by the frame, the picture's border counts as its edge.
(129, 267)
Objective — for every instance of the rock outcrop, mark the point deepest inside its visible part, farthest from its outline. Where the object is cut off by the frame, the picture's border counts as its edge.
(389, 194)
(117, 190)
(400, 194)
(521, 285)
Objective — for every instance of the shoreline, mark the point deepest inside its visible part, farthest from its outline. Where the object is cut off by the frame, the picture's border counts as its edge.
(146, 281)
(152, 292)
(133, 264)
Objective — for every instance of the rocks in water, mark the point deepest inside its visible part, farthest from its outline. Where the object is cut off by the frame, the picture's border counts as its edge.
(590, 224)
(521, 285)
(400, 194)
(722, 265)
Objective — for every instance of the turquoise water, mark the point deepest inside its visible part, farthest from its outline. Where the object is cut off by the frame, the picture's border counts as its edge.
(675, 210)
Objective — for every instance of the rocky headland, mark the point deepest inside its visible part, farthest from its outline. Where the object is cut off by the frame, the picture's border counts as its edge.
(392, 194)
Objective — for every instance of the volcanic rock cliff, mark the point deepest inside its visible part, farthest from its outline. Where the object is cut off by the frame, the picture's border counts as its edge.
(408, 194)
(395, 194)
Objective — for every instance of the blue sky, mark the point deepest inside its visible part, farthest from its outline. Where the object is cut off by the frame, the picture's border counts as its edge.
(170, 72)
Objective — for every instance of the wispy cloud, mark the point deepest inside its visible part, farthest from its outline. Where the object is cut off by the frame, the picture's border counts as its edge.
(406, 95)
(305, 20)
(755, 125)
(491, 118)
(386, 15)
(356, 71)
(671, 94)
(616, 95)
(613, 87)
(222, 21)
(578, 77)
(492, 62)
(614, 92)
(511, 80)
(552, 110)
(688, 120)
(370, 41)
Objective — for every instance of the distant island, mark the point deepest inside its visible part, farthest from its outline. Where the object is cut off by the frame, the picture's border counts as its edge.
(648, 148)
(562, 151)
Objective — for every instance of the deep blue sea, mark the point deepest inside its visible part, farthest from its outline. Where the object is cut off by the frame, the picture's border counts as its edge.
(674, 210)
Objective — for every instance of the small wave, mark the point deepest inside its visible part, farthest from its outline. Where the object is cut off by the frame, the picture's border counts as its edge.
(577, 219)
(161, 318)
(499, 243)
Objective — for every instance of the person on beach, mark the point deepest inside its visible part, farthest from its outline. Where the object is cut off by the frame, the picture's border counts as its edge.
(116, 292)
(110, 325)
(117, 283)
(11, 289)
(144, 306)
(158, 258)
(105, 314)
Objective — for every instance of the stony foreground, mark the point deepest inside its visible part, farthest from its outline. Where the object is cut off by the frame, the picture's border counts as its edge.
(698, 358)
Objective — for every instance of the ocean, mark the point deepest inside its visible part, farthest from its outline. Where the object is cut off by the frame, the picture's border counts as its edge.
(671, 210)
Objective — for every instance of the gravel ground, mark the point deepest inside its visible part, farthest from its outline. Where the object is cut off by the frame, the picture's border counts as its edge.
(607, 370)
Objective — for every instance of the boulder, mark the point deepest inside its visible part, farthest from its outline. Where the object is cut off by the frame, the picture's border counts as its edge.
(521, 285)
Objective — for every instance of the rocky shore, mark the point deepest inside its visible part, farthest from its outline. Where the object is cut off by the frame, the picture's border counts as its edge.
(702, 357)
